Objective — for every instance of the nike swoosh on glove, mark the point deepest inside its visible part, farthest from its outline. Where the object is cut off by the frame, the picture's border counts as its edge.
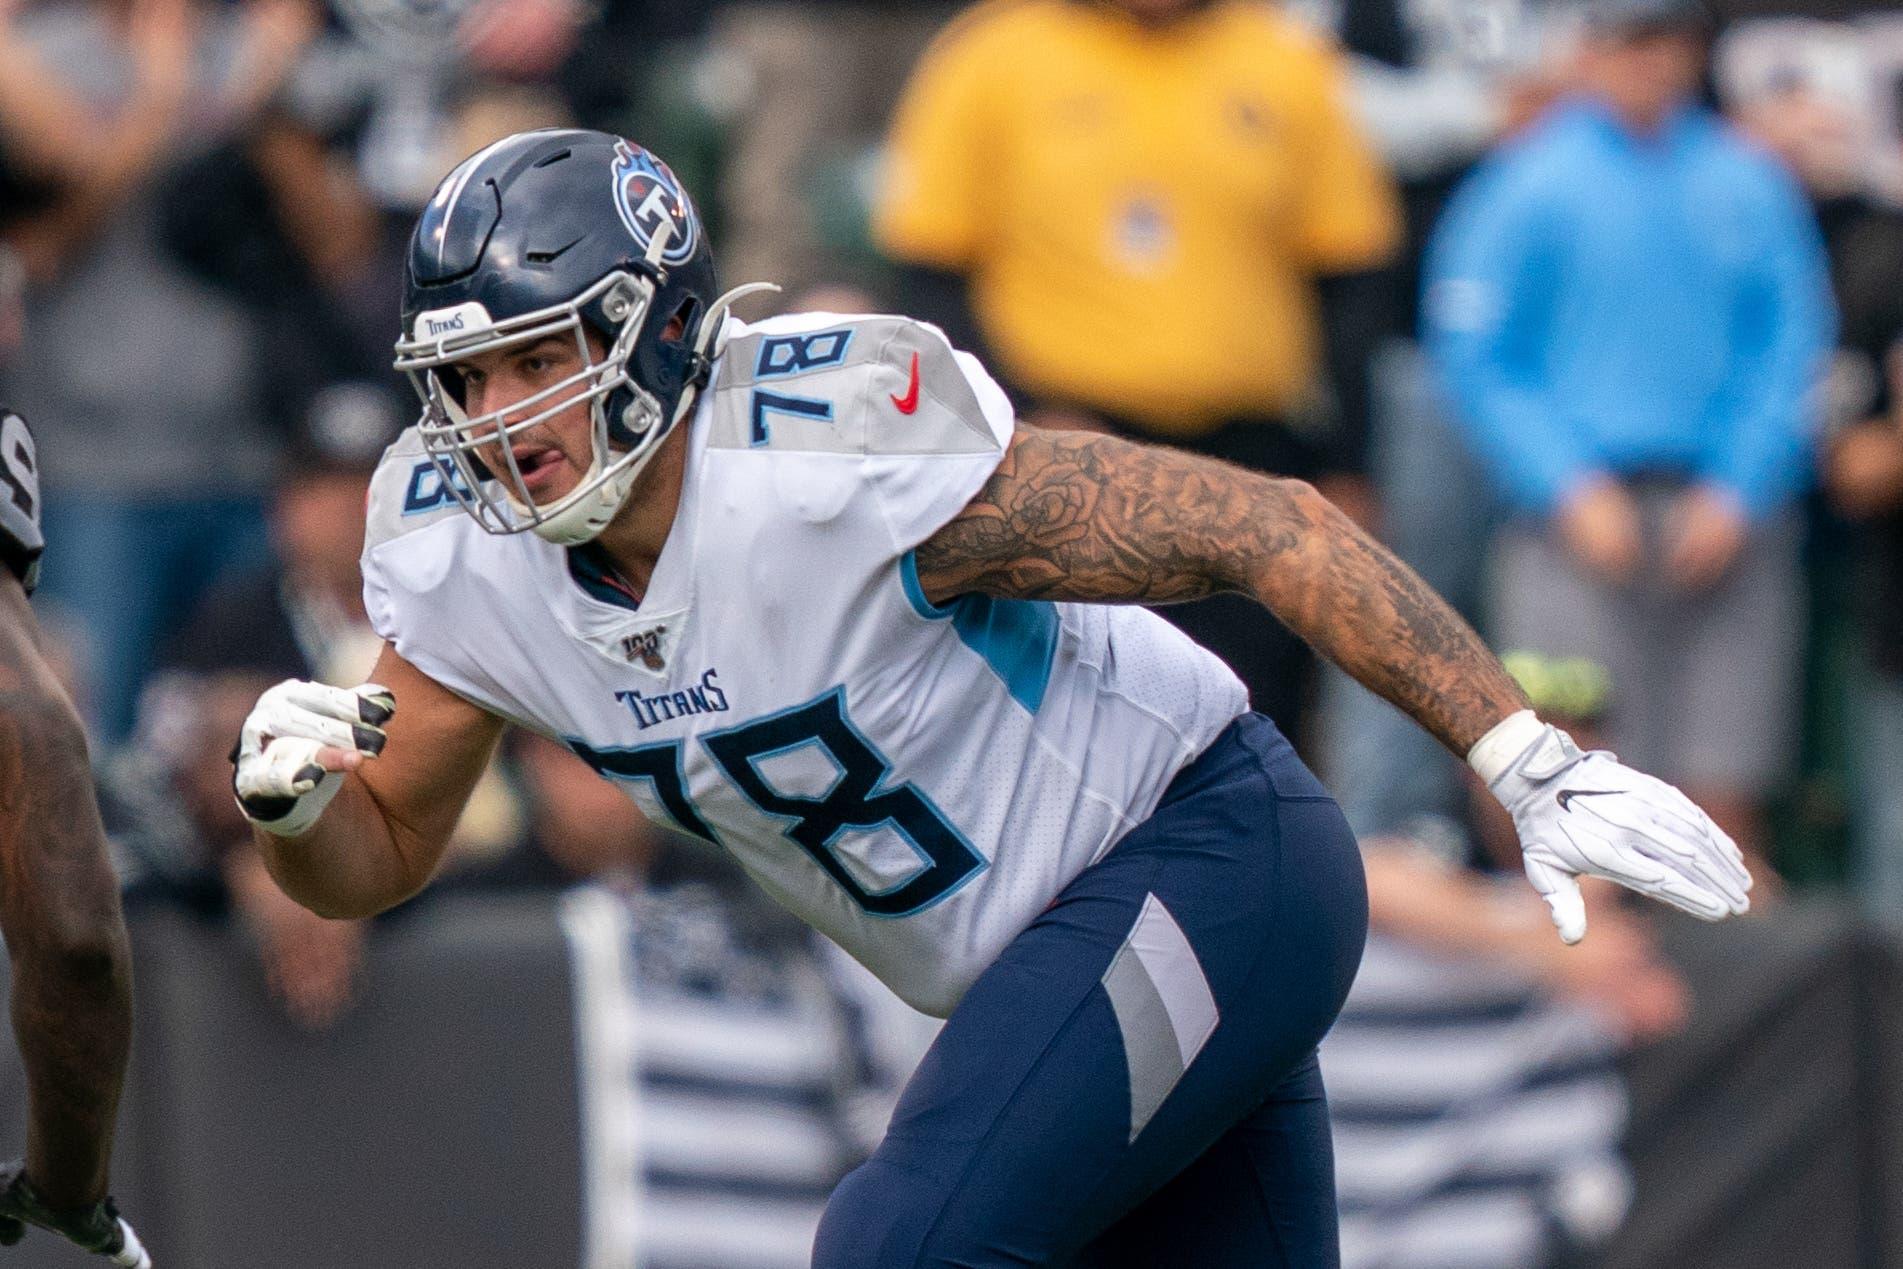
(1587, 814)
(279, 782)
(98, 1228)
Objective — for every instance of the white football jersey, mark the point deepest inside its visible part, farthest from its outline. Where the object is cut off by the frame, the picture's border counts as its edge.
(917, 781)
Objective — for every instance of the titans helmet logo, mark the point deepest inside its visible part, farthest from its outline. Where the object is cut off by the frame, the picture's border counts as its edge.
(646, 195)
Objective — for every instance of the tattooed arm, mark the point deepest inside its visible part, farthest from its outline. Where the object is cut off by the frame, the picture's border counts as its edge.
(1080, 516)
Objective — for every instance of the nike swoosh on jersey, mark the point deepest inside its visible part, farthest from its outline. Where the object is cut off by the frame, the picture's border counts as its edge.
(908, 404)
(1567, 795)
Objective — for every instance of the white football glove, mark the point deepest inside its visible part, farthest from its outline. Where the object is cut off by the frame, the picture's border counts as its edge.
(1587, 814)
(279, 774)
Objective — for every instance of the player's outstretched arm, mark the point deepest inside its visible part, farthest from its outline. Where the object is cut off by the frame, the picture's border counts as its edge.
(1082, 516)
(72, 973)
(353, 792)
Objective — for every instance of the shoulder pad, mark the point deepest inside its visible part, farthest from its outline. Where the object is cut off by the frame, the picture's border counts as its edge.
(846, 385)
(407, 492)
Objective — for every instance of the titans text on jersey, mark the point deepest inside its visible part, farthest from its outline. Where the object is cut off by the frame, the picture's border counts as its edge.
(664, 707)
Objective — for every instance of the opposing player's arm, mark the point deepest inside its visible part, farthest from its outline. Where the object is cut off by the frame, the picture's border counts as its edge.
(1081, 516)
(72, 974)
(382, 836)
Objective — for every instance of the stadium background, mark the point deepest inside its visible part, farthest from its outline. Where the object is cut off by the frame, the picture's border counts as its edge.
(590, 1047)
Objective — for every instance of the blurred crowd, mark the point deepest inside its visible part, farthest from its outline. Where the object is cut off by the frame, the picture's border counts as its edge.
(1591, 309)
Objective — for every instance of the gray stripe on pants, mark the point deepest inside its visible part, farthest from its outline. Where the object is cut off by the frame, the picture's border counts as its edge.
(1149, 1038)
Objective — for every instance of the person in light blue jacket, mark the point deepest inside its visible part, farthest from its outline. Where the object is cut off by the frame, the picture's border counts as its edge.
(1629, 308)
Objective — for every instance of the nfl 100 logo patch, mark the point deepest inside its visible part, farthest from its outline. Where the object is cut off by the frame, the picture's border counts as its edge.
(650, 644)
(647, 647)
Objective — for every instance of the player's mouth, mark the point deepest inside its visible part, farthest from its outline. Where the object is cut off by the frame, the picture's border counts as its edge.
(540, 466)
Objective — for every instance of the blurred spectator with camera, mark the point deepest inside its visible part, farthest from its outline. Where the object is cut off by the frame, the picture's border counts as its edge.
(156, 453)
(1158, 218)
(1630, 307)
(1472, 1075)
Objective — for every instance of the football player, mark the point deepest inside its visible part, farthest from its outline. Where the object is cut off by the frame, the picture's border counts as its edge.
(59, 909)
(806, 590)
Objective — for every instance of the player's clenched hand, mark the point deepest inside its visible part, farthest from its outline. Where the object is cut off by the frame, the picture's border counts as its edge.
(1587, 814)
(98, 1228)
(298, 740)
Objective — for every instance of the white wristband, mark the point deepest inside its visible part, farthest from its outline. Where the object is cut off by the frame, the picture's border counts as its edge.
(1494, 752)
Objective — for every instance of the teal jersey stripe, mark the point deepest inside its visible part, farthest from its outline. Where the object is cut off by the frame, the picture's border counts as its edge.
(1016, 637)
(915, 594)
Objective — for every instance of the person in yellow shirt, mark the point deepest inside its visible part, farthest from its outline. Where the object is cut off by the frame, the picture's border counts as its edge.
(1145, 212)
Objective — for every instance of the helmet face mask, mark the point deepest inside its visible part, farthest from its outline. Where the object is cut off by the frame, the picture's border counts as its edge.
(477, 451)
(572, 234)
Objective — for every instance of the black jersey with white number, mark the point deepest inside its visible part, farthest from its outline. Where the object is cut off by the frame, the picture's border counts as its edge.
(20, 538)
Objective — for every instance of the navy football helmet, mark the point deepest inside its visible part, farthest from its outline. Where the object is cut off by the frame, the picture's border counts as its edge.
(559, 232)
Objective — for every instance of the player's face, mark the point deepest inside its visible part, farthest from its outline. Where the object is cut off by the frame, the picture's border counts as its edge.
(556, 453)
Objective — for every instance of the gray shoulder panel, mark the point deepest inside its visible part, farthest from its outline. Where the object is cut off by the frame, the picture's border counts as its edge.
(868, 385)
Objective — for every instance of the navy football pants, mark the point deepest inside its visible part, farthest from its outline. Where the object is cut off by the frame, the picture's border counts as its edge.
(1133, 1082)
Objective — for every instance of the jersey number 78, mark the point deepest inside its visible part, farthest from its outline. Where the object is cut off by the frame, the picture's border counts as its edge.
(858, 799)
